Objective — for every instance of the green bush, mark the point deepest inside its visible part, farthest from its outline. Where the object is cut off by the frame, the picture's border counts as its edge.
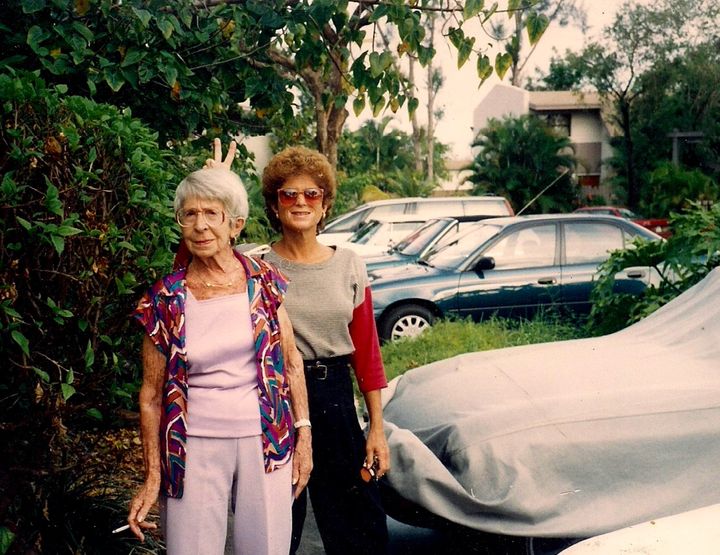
(680, 262)
(670, 188)
(86, 224)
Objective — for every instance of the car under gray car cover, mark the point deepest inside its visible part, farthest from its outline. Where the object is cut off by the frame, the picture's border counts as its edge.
(567, 439)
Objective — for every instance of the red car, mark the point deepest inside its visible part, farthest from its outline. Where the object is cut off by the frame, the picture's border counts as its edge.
(658, 225)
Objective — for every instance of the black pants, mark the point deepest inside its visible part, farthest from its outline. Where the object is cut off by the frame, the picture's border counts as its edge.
(348, 511)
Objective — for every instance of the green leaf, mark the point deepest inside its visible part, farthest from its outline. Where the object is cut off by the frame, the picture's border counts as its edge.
(456, 36)
(94, 413)
(89, 355)
(52, 199)
(70, 378)
(503, 61)
(513, 6)
(83, 30)
(32, 6)
(61, 88)
(133, 56)
(472, 8)
(67, 391)
(413, 104)
(464, 51)
(144, 16)
(536, 26)
(375, 64)
(35, 36)
(165, 26)
(44, 376)
(24, 223)
(6, 539)
(358, 105)
(113, 78)
(127, 246)
(171, 74)
(58, 242)
(21, 340)
(484, 68)
(68, 231)
(377, 106)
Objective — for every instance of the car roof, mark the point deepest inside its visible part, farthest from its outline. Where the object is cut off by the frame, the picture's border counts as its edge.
(572, 217)
(399, 200)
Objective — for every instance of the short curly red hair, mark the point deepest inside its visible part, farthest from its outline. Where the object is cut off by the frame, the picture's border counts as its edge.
(292, 161)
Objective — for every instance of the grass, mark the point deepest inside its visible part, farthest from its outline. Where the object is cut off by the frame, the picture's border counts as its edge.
(449, 338)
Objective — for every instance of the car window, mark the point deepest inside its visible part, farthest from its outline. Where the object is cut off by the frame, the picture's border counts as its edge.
(587, 242)
(366, 231)
(439, 208)
(530, 247)
(417, 240)
(462, 246)
(386, 211)
(346, 222)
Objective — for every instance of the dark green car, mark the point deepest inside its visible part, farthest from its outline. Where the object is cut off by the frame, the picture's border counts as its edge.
(506, 267)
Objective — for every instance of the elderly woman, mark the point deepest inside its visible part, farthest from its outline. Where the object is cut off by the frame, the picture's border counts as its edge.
(328, 300)
(223, 404)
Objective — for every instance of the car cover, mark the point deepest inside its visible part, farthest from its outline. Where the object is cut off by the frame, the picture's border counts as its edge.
(571, 438)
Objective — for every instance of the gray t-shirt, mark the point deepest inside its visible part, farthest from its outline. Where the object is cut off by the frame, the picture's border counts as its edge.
(320, 301)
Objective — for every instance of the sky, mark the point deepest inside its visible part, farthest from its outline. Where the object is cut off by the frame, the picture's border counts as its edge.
(459, 94)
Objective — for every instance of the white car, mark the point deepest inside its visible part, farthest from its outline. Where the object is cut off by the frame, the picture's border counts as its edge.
(378, 237)
(694, 531)
(342, 227)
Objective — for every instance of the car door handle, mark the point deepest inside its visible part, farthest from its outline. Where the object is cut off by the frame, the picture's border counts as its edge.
(547, 281)
(635, 275)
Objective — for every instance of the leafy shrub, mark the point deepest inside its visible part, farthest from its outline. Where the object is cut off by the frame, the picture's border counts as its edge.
(670, 188)
(680, 262)
(86, 224)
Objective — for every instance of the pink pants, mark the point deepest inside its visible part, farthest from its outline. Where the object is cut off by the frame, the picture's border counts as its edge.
(223, 472)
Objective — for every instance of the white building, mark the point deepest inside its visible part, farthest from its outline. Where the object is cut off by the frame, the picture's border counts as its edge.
(582, 116)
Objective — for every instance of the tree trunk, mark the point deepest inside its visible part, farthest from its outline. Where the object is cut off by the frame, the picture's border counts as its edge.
(430, 111)
(329, 118)
(416, 131)
(633, 193)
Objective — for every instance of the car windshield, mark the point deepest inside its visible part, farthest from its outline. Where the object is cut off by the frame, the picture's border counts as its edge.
(414, 243)
(454, 253)
(363, 235)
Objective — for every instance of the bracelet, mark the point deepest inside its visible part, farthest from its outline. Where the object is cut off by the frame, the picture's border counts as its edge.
(303, 422)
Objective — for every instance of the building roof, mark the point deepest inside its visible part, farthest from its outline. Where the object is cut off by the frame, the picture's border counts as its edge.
(564, 100)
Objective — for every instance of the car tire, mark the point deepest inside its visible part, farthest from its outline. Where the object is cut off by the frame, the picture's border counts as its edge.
(408, 320)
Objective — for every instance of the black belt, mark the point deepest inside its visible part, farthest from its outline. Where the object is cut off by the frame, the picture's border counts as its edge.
(318, 368)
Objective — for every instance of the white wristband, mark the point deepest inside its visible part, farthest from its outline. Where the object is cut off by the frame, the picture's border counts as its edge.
(302, 423)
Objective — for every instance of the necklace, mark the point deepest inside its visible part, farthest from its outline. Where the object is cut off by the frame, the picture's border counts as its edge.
(226, 284)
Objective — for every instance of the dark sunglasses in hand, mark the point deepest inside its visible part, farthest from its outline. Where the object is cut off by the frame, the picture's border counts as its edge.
(288, 197)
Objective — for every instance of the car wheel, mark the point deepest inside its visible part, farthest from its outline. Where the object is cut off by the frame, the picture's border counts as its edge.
(408, 320)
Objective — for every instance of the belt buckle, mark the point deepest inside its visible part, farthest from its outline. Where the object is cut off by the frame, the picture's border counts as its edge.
(320, 371)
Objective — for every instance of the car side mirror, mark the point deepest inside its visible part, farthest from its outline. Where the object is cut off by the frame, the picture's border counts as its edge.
(485, 263)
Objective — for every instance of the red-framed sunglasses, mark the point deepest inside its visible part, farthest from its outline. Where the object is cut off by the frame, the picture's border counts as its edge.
(288, 197)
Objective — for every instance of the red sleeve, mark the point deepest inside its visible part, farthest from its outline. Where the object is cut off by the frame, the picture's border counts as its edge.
(182, 257)
(366, 360)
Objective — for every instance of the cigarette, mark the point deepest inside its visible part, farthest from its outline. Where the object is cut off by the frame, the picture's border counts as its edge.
(121, 529)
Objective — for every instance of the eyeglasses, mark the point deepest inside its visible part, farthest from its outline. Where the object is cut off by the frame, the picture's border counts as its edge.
(187, 218)
(288, 197)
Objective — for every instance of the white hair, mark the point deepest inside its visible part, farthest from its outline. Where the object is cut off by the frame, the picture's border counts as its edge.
(214, 184)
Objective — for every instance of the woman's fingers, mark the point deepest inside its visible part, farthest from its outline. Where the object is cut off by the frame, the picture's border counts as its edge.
(232, 148)
(217, 160)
